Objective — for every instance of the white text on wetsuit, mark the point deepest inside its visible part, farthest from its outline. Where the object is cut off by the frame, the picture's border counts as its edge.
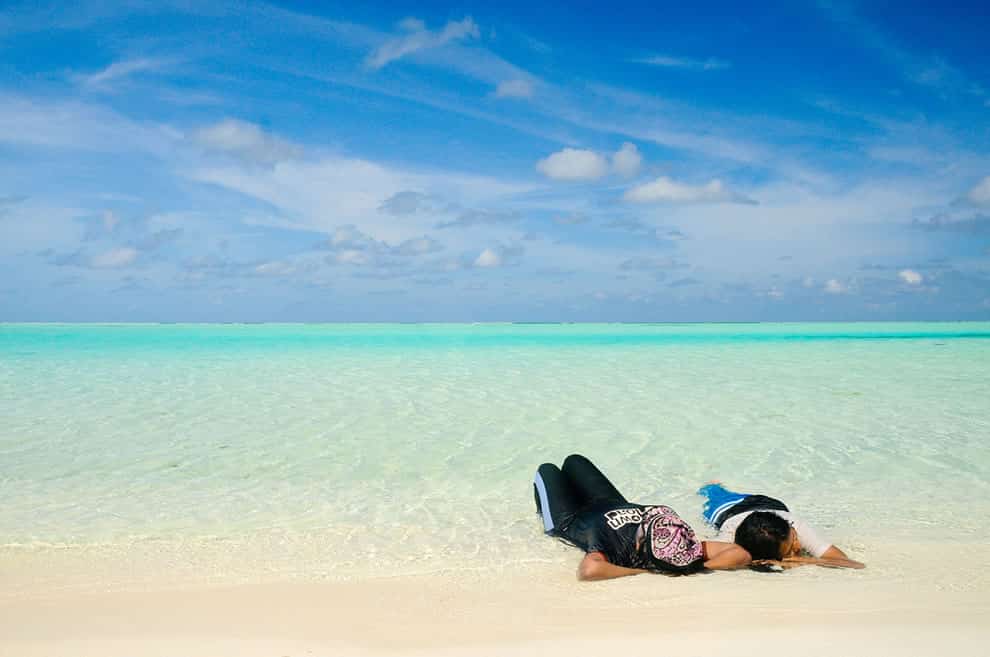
(622, 517)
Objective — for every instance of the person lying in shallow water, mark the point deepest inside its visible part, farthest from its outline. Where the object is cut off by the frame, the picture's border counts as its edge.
(580, 505)
(768, 531)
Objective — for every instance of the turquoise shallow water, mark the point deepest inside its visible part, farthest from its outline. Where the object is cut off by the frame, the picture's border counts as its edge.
(352, 450)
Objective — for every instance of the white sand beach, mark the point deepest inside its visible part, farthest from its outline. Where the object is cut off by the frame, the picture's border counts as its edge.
(538, 610)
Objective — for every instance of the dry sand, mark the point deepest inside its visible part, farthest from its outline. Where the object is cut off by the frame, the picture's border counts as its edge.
(540, 610)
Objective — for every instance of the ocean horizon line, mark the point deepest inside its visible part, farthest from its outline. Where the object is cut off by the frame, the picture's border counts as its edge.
(493, 323)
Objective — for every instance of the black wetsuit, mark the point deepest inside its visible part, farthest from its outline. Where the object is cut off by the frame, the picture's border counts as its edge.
(581, 506)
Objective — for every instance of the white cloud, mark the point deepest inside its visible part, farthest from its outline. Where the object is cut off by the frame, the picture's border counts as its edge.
(718, 134)
(405, 203)
(488, 258)
(344, 236)
(247, 142)
(980, 194)
(514, 89)
(119, 70)
(573, 164)
(626, 161)
(664, 189)
(412, 24)
(74, 125)
(669, 234)
(481, 218)
(274, 268)
(419, 38)
(581, 164)
(330, 192)
(115, 258)
(833, 286)
(351, 246)
(820, 231)
(352, 257)
(685, 63)
(28, 225)
(110, 221)
(571, 219)
(910, 276)
(651, 263)
(417, 246)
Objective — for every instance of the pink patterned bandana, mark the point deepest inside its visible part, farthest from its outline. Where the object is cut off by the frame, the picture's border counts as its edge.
(672, 541)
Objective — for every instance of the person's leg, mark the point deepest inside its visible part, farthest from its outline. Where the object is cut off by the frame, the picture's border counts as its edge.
(556, 500)
(718, 500)
(593, 488)
(721, 503)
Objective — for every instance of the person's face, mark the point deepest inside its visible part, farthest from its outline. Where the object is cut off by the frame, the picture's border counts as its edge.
(792, 546)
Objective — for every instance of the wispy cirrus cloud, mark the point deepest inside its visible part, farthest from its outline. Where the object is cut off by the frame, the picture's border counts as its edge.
(571, 220)
(417, 37)
(115, 258)
(640, 116)
(684, 63)
(71, 124)
(652, 264)
(469, 218)
(7, 202)
(929, 70)
(275, 268)
(104, 79)
(517, 88)
(980, 193)
(684, 282)
(954, 222)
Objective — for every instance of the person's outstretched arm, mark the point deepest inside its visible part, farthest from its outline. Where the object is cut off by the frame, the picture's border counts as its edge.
(836, 562)
(833, 553)
(796, 562)
(596, 566)
(824, 552)
(726, 556)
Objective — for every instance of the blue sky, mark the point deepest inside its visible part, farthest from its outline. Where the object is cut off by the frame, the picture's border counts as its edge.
(228, 161)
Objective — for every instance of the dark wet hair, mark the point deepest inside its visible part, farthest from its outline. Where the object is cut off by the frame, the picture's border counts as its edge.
(762, 534)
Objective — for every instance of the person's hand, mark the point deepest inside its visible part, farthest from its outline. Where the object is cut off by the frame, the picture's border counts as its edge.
(802, 560)
(824, 563)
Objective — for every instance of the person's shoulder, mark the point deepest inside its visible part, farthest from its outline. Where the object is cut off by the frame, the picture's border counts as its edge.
(732, 522)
